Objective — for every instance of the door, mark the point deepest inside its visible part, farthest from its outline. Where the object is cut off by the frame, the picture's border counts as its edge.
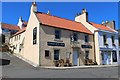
(106, 58)
(56, 54)
(75, 58)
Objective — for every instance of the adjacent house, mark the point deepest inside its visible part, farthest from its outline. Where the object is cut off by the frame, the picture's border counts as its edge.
(105, 39)
(119, 43)
(7, 31)
(48, 39)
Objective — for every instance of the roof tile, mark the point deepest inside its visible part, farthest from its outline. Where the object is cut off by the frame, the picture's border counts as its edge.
(54, 21)
(9, 26)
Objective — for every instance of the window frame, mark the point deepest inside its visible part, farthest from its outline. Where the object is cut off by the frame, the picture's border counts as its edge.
(34, 35)
(114, 60)
(57, 35)
(87, 54)
(58, 54)
(86, 38)
(47, 53)
(105, 39)
(75, 36)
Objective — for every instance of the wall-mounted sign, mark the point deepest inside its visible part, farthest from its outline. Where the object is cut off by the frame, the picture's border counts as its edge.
(86, 46)
(55, 44)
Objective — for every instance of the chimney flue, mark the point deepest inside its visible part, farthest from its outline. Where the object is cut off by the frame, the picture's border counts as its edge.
(48, 12)
(103, 22)
(84, 10)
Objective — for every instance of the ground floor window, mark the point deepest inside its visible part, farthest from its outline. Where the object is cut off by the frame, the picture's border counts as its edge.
(47, 53)
(114, 56)
(56, 54)
(86, 54)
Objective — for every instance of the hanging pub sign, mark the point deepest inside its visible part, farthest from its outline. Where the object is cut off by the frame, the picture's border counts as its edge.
(86, 46)
(55, 44)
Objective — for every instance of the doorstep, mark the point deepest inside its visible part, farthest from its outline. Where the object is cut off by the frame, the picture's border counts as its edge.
(78, 67)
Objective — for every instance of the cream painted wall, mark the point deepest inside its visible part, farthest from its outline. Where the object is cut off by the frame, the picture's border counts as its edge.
(31, 52)
(97, 50)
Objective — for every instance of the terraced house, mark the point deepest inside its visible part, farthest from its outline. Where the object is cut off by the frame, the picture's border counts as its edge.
(48, 39)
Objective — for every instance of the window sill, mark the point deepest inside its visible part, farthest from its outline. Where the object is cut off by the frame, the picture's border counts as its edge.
(59, 40)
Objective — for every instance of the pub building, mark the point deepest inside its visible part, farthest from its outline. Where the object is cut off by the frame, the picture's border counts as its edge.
(53, 41)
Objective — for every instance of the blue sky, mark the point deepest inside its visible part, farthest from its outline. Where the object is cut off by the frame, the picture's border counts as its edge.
(97, 11)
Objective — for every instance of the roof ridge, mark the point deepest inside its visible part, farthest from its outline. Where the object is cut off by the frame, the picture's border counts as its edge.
(59, 17)
(9, 24)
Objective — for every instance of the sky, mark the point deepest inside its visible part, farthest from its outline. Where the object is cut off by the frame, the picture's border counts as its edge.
(97, 11)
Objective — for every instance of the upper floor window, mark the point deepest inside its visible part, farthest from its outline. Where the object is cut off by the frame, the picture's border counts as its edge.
(112, 37)
(86, 38)
(57, 34)
(105, 39)
(35, 35)
(119, 40)
(19, 37)
(75, 37)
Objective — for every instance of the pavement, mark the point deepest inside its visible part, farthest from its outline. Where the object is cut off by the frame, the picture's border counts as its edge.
(20, 69)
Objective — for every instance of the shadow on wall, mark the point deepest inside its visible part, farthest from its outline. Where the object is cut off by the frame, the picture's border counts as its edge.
(4, 62)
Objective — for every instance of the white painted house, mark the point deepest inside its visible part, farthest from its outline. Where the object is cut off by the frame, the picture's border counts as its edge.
(105, 39)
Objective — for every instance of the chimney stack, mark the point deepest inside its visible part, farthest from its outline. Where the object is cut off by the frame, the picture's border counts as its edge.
(34, 7)
(103, 22)
(48, 12)
(111, 24)
(82, 17)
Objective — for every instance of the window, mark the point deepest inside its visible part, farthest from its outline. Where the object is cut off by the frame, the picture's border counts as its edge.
(3, 38)
(11, 39)
(86, 54)
(35, 35)
(114, 56)
(56, 54)
(57, 34)
(104, 39)
(75, 37)
(86, 38)
(47, 53)
(112, 37)
(119, 40)
(19, 37)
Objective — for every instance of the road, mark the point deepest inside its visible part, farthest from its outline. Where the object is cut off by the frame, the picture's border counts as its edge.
(20, 69)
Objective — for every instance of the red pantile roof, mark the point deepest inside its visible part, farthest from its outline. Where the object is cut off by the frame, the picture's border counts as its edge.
(20, 31)
(54, 21)
(9, 26)
(102, 27)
